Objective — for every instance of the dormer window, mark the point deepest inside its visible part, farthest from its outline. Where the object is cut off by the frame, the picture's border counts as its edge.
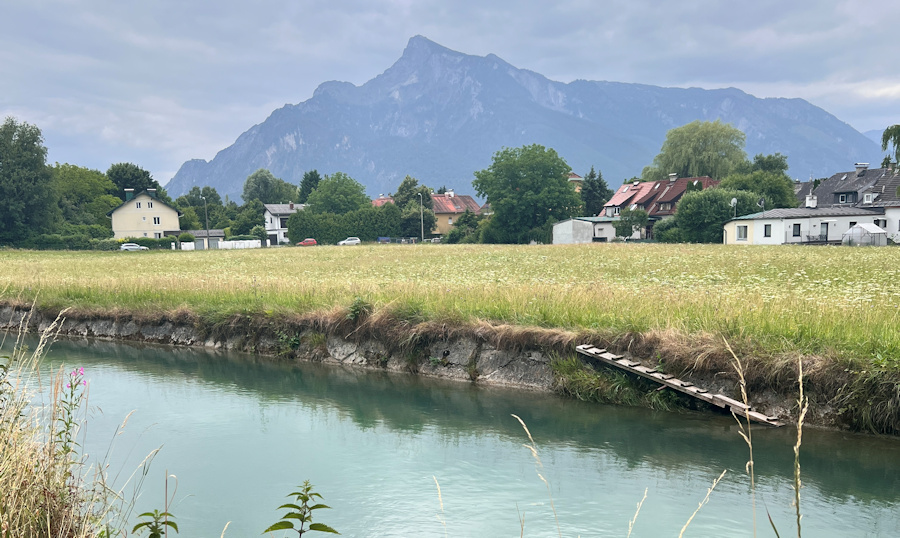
(842, 198)
(867, 198)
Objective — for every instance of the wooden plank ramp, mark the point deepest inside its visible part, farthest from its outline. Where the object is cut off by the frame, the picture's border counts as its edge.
(667, 380)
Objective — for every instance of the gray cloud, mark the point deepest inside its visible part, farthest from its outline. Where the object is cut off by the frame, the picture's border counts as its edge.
(160, 82)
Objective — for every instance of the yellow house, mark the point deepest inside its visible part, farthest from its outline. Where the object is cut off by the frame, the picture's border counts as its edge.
(449, 207)
(144, 215)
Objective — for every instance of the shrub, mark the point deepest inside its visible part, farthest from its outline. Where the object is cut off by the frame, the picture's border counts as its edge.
(186, 238)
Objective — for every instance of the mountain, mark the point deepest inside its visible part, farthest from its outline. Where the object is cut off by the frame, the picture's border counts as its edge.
(439, 115)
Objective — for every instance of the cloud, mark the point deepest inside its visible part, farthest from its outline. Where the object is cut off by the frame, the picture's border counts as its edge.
(161, 82)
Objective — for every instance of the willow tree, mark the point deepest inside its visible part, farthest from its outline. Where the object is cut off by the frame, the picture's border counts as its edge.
(700, 148)
(891, 137)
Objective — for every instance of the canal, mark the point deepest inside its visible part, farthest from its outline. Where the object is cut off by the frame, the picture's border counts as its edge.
(240, 432)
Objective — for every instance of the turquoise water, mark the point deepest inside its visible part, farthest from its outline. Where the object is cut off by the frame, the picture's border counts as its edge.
(240, 432)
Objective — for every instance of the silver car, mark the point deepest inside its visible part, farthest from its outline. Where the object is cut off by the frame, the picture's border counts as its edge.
(350, 241)
(132, 246)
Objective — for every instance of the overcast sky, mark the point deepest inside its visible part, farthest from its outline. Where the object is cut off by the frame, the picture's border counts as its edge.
(159, 82)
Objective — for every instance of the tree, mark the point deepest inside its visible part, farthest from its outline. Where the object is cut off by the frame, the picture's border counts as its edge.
(777, 189)
(251, 214)
(528, 190)
(195, 196)
(409, 191)
(337, 193)
(464, 229)
(308, 184)
(412, 223)
(594, 192)
(27, 199)
(891, 137)
(85, 196)
(713, 149)
(268, 189)
(630, 221)
(132, 176)
(702, 215)
(667, 231)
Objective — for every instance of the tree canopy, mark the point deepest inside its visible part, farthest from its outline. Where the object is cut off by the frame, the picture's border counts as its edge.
(27, 198)
(700, 148)
(85, 196)
(594, 192)
(528, 190)
(268, 189)
(891, 137)
(409, 191)
(337, 193)
(308, 184)
(132, 176)
(701, 215)
(630, 221)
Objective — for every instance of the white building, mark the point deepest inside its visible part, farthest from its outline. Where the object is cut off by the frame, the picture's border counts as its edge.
(276, 217)
(585, 230)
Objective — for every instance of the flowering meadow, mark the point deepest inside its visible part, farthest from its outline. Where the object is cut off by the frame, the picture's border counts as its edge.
(836, 301)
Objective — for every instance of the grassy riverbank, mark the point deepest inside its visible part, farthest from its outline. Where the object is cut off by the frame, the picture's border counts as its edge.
(836, 307)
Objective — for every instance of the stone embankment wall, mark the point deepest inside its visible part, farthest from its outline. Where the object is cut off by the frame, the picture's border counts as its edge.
(468, 358)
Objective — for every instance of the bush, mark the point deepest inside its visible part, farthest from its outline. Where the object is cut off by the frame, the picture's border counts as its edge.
(186, 238)
(151, 243)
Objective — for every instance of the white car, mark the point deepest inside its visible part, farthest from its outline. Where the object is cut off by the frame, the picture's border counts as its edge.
(350, 241)
(132, 246)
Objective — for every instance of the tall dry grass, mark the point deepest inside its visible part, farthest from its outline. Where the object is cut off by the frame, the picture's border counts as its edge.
(44, 491)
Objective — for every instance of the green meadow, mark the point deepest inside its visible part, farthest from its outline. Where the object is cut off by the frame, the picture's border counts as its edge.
(826, 301)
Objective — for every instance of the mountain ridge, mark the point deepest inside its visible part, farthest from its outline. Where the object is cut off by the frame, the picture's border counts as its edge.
(439, 115)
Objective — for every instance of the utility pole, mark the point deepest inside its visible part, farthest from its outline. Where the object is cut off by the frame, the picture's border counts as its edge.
(422, 216)
(206, 214)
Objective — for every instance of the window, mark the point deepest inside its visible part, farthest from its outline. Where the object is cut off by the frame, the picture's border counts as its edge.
(615, 211)
(867, 198)
(767, 230)
(283, 222)
(137, 205)
(149, 205)
(665, 206)
(741, 233)
(449, 220)
(145, 234)
(157, 235)
(155, 220)
(842, 199)
(852, 223)
(797, 230)
(144, 218)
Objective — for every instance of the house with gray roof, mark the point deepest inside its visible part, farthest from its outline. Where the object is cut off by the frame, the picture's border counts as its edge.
(830, 209)
(275, 217)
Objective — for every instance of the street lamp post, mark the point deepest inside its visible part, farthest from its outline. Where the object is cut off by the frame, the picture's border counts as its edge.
(206, 214)
(422, 216)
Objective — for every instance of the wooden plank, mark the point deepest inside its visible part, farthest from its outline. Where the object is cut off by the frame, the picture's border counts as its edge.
(644, 369)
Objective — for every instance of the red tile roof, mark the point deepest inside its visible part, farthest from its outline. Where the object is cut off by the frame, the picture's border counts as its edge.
(381, 200)
(652, 193)
(454, 203)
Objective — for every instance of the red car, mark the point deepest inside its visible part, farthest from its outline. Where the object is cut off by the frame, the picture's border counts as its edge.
(308, 242)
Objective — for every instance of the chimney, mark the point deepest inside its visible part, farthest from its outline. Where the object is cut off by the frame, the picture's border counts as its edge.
(291, 204)
(450, 193)
(673, 177)
(152, 193)
(129, 194)
(811, 201)
(861, 168)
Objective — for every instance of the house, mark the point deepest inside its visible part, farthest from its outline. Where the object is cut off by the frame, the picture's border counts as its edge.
(576, 181)
(810, 224)
(657, 198)
(833, 207)
(448, 207)
(381, 200)
(584, 230)
(275, 217)
(144, 215)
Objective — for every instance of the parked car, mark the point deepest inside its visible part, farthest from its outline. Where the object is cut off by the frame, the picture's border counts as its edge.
(350, 241)
(308, 242)
(132, 246)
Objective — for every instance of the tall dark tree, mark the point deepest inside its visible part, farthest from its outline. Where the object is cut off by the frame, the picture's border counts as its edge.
(27, 197)
(528, 190)
(594, 192)
(308, 184)
(195, 196)
(132, 176)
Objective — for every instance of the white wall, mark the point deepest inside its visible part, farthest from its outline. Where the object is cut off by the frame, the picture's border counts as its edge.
(572, 231)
